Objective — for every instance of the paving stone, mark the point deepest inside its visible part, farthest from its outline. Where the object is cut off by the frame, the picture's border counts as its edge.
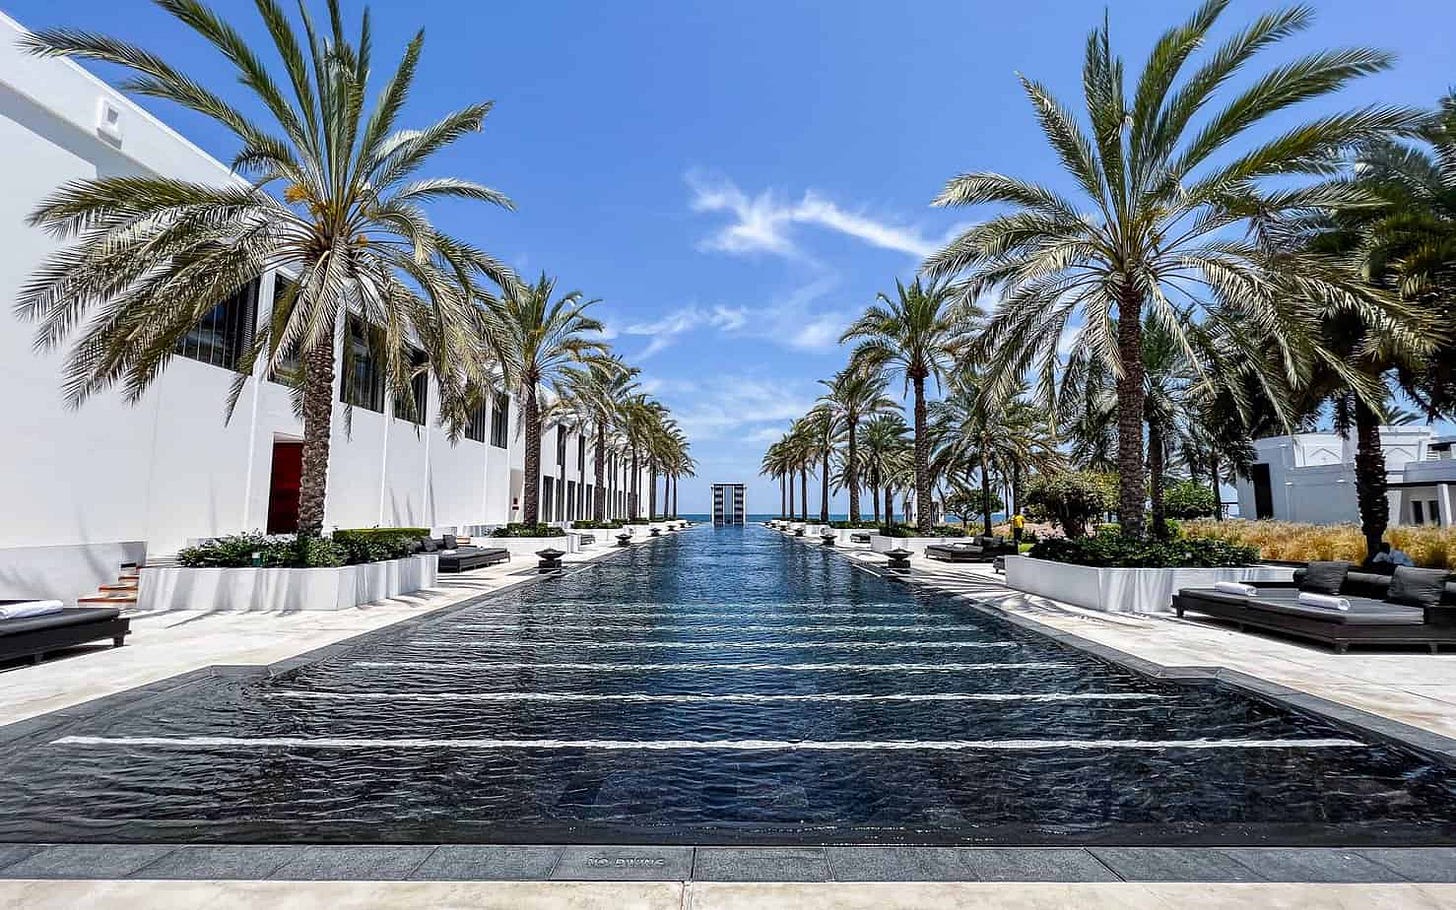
(1416, 864)
(1174, 864)
(338, 863)
(14, 853)
(1311, 864)
(211, 863)
(761, 864)
(624, 864)
(488, 863)
(898, 864)
(1034, 864)
(87, 861)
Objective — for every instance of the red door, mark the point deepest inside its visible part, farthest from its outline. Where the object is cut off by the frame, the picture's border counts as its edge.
(283, 487)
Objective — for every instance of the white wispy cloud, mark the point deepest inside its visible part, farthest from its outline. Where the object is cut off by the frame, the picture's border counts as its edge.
(741, 408)
(764, 223)
(666, 329)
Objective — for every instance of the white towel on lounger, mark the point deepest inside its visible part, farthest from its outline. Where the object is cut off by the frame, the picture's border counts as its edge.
(30, 608)
(1324, 601)
(1236, 588)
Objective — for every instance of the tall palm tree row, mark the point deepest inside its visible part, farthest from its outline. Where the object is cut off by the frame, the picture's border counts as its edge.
(1179, 185)
(333, 191)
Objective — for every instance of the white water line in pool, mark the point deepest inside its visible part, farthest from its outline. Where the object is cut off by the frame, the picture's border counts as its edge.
(696, 665)
(711, 645)
(667, 614)
(722, 745)
(646, 627)
(732, 698)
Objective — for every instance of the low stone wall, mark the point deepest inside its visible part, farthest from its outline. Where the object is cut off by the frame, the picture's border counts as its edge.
(882, 544)
(1124, 590)
(283, 590)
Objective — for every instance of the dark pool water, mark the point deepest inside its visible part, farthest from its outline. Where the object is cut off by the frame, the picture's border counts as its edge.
(719, 686)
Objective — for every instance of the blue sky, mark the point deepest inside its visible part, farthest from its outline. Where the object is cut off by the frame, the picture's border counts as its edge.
(736, 180)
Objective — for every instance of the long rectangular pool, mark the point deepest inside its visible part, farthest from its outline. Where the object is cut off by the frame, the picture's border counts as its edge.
(719, 686)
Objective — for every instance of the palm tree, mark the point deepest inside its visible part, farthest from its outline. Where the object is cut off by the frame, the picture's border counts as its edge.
(603, 390)
(776, 464)
(548, 339)
(148, 257)
(817, 432)
(855, 394)
(884, 442)
(917, 335)
(1402, 240)
(1177, 213)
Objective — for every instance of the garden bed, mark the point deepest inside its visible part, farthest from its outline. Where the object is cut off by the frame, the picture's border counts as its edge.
(283, 590)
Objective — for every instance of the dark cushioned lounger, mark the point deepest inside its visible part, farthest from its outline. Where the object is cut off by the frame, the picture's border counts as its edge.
(467, 558)
(35, 636)
(1371, 619)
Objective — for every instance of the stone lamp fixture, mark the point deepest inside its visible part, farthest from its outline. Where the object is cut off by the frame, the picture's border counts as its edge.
(624, 539)
(827, 537)
(550, 560)
(899, 559)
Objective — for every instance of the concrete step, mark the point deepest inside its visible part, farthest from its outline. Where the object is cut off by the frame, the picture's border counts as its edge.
(120, 586)
(109, 600)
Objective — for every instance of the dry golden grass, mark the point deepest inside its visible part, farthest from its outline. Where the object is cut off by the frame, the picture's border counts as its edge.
(1287, 540)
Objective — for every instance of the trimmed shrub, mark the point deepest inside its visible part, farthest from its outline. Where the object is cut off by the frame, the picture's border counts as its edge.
(588, 524)
(236, 551)
(1071, 499)
(1114, 550)
(1186, 499)
(378, 544)
(853, 525)
(517, 529)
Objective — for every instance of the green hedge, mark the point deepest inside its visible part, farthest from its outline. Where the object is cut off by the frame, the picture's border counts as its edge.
(1113, 549)
(591, 525)
(350, 547)
(378, 544)
(853, 525)
(516, 529)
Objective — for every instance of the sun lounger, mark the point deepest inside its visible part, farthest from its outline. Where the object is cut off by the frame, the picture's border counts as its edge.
(1413, 607)
(36, 636)
(462, 559)
(977, 549)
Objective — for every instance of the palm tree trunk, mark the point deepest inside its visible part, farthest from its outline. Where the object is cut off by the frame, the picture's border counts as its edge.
(889, 505)
(318, 419)
(985, 496)
(531, 489)
(791, 500)
(674, 497)
(784, 481)
(804, 491)
(636, 484)
(1156, 458)
(599, 505)
(1217, 493)
(824, 485)
(1132, 484)
(652, 489)
(922, 458)
(875, 495)
(851, 468)
(1370, 483)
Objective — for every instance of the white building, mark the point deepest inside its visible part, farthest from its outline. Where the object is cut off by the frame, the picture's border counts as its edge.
(1310, 477)
(84, 491)
(730, 503)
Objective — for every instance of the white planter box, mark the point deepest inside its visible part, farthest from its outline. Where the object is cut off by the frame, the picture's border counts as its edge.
(283, 590)
(881, 544)
(527, 546)
(1123, 590)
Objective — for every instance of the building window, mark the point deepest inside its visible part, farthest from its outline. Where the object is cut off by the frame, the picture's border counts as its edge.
(581, 449)
(561, 445)
(363, 381)
(1418, 512)
(225, 332)
(419, 385)
(548, 489)
(500, 421)
(289, 369)
(479, 420)
(1434, 510)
